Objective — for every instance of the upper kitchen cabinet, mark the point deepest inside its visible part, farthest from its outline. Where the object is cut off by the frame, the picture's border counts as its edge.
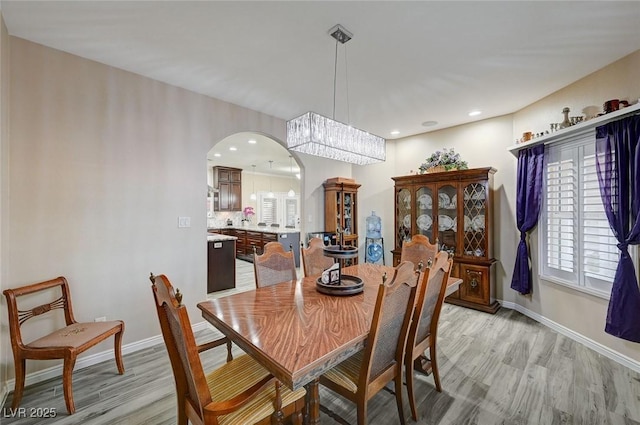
(227, 185)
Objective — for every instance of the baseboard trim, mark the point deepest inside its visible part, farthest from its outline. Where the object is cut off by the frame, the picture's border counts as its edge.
(595, 346)
(82, 362)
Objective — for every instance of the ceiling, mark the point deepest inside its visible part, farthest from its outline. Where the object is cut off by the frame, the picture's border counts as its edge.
(408, 62)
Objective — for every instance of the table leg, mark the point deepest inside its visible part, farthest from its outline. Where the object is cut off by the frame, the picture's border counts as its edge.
(313, 403)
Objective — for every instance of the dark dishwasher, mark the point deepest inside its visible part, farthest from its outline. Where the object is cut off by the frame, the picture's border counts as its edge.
(221, 265)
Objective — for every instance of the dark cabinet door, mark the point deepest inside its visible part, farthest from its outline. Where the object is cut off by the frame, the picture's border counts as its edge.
(221, 265)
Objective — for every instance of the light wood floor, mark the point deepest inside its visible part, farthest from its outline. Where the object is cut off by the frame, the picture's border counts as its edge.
(495, 369)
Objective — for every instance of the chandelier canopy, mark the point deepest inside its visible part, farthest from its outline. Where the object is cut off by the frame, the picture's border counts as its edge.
(315, 134)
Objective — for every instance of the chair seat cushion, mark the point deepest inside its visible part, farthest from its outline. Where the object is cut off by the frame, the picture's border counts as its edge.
(236, 376)
(74, 335)
(347, 373)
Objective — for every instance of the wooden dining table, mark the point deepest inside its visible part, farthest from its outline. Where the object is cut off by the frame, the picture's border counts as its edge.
(298, 333)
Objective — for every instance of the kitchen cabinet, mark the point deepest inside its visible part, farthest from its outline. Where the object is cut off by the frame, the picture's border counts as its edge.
(257, 238)
(227, 185)
(221, 264)
(341, 209)
(454, 209)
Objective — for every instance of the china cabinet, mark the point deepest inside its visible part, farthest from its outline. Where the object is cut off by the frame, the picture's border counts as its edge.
(452, 208)
(340, 208)
(227, 183)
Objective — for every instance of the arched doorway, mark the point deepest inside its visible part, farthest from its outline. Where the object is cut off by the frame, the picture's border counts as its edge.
(271, 180)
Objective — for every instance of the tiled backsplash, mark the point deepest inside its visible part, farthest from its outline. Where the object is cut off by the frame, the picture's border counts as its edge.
(219, 219)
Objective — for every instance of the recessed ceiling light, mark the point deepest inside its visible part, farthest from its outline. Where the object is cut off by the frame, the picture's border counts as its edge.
(429, 123)
(474, 113)
(395, 132)
(252, 141)
(217, 155)
(233, 148)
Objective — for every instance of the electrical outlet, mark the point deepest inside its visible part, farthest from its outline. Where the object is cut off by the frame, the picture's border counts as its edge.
(100, 319)
(184, 221)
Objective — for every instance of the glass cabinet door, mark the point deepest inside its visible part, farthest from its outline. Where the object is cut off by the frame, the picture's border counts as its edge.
(348, 213)
(447, 218)
(403, 216)
(475, 206)
(424, 212)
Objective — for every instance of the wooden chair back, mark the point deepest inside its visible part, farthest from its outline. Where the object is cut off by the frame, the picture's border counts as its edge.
(191, 384)
(313, 259)
(424, 327)
(418, 249)
(364, 374)
(430, 298)
(65, 343)
(390, 324)
(275, 265)
(194, 390)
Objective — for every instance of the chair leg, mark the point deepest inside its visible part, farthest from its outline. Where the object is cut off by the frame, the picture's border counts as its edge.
(277, 418)
(67, 382)
(434, 364)
(398, 383)
(229, 355)
(408, 370)
(182, 411)
(117, 349)
(19, 385)
(296, 418)
(362, 412)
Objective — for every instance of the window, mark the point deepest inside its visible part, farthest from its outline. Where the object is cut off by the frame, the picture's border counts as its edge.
(577, 246)
(279, 209)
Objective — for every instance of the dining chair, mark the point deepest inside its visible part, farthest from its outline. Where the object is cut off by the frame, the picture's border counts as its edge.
(239, 392)
(66, 343)
(362, 375)
(275, 265)
(418, 249)
(314, 261)
(424, 326)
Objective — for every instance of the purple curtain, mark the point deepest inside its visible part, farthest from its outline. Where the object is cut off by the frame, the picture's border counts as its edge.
(618, 166)
(528, 196)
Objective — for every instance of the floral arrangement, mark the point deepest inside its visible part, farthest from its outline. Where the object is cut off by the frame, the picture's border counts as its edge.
(247, 212)
(446, 159)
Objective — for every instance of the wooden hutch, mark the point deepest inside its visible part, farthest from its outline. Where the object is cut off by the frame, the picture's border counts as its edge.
(454, 208)
(341, 208)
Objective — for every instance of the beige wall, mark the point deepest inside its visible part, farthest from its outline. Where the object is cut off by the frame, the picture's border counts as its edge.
(485, 143)
(102, 162)
(582, 313)
(5, 347)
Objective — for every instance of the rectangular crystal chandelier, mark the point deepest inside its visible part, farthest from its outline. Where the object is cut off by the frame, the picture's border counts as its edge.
(318, 135)
(315, 134)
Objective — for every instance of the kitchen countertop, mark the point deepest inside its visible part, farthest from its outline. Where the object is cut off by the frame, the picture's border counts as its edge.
(256, 228)
(217, 237)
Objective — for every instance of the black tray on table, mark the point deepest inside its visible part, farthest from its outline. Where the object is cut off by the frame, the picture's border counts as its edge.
(349, 285)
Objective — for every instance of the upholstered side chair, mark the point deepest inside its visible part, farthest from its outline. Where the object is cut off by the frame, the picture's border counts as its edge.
(424, 327)
(275, 265)
(65, 343)
(314, 261)
(418, 249)
(240, 392)
(361, 376)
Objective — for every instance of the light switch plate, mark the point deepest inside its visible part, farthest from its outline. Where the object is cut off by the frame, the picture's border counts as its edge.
(184, 221)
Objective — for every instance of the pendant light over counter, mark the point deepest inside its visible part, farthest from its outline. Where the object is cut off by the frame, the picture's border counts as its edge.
(291, 192)
(253, 196)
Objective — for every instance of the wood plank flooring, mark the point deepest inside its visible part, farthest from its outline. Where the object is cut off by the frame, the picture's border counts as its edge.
(495, 369)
